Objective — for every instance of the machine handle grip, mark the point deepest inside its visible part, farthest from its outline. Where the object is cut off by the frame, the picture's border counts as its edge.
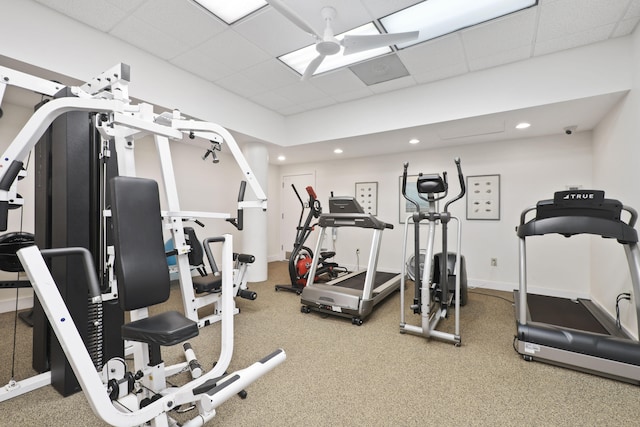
(87, 261)
(311, 193)
(239, 221)
(207, 250)
(247, 294)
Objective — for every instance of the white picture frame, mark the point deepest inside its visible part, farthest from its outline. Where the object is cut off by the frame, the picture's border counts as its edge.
(483, 197)
(367, 196)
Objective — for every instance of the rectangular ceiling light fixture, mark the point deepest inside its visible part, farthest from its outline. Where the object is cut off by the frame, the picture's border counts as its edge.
(300, 59)
(435, 18)
(231, 11)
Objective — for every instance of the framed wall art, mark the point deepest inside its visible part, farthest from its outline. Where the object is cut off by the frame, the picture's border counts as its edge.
(367, 196)
(483, 197)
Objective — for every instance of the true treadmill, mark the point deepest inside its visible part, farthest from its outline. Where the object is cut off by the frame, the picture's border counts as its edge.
(356, 294)
(587, 342)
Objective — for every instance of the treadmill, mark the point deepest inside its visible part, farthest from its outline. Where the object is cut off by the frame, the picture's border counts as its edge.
(578, 335)
(355, 294)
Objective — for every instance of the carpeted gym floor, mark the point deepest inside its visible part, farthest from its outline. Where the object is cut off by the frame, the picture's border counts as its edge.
(340, 374)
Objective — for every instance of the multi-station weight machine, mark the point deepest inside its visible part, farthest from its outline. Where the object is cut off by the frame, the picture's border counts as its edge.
(116, 124)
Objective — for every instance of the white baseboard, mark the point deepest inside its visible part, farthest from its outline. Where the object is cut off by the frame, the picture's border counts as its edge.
(10, 305)
(509, 287)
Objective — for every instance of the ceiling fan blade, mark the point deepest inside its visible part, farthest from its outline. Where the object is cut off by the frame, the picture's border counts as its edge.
(312, 67)
(292, 16)
(355, 44)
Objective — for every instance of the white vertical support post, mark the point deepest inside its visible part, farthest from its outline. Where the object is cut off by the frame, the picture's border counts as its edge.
(254, 239)
(177, 231)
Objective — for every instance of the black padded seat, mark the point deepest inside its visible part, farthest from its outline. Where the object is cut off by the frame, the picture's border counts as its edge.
(327, 255)
(165, 329)
(208, 283)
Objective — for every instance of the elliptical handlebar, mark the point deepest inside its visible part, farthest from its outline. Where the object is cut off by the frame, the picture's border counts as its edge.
(314, 203)
(463, 188)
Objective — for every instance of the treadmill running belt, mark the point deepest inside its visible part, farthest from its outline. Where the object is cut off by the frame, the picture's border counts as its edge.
(563, 312)
(357, 281)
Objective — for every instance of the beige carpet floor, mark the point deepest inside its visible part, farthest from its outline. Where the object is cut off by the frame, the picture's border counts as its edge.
(370, 375)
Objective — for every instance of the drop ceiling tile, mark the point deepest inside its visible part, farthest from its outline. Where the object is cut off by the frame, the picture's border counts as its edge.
(241, 85)
(300, 108)
(337, 82)
(625, 27)
(233, 50)
(146, 37)
(351, 95)
(634, 10)
(181, 20)
(441, 73)
(272, 74)
(205, 66)
(574, 40)
(302, 92)
(502, 34)
(126, 5)
(443, 52)
(271, 100)
(392, 85)
(500, 58)
(273, 33)
(100, 15)
(565, 17)
(380, 8)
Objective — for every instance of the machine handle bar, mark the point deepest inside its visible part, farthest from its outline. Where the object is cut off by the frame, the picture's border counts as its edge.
(463, 188)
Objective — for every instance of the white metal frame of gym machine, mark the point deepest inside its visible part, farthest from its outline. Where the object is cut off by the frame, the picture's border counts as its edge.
(429, 318)
(124, 122)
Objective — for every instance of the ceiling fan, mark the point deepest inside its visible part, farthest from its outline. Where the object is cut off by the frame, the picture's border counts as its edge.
(327, 44)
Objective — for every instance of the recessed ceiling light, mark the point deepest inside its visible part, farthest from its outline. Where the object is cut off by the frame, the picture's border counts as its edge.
(414, 141)
(523, 125)
(231, 11)
(282, 158)
(338, 151)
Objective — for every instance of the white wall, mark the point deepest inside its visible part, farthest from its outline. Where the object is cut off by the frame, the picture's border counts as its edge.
(530, 170)
(616, 159)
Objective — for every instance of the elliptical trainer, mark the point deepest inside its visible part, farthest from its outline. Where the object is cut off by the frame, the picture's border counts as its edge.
(440, 279)
(302, 256)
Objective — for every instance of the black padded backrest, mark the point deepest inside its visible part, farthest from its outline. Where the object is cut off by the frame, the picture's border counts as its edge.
(197, 253)
(141, 264)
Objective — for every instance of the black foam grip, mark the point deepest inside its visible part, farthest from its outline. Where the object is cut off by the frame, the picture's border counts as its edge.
(4, 215)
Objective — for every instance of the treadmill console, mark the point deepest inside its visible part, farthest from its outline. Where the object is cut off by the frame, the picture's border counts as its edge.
(344, 204)
(345, 211)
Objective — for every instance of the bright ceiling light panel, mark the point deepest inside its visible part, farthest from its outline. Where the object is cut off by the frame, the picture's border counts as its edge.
(231, 11)
(300, 59)
(435, 18)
